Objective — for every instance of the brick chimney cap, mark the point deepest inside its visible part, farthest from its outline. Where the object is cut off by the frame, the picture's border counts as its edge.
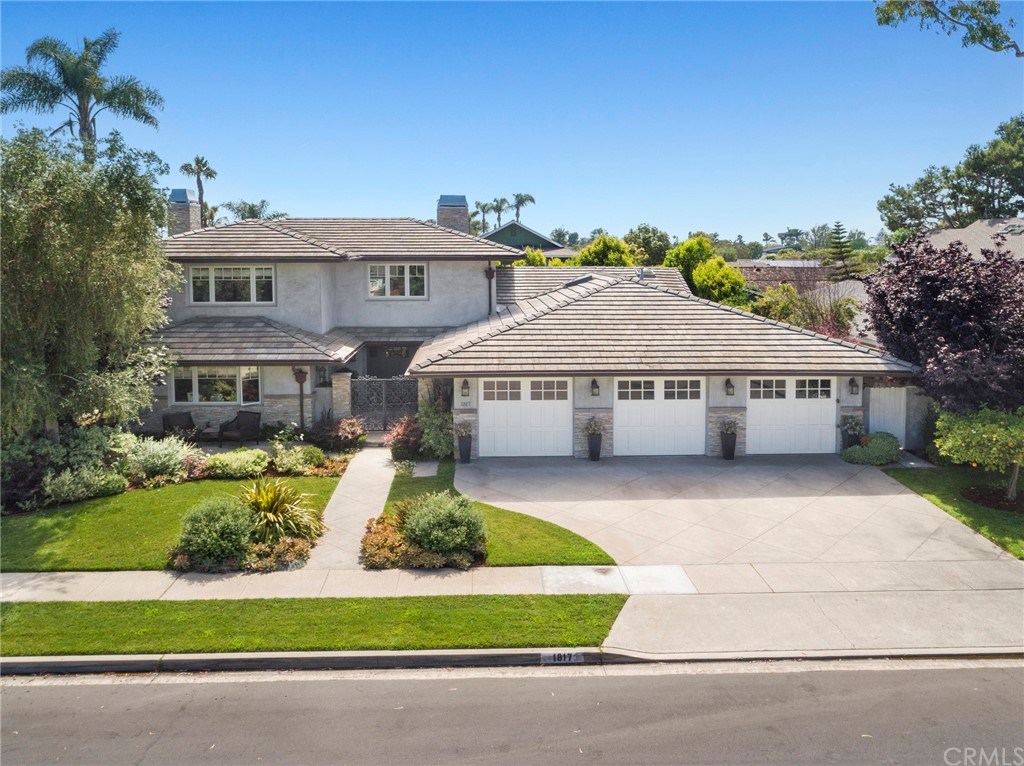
(452, 200)
(186, 196)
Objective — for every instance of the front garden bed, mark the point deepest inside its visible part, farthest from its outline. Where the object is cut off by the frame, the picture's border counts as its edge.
(318, 624)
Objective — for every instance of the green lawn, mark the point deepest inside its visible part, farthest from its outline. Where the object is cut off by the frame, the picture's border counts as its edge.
(942, 486)
(129, 531)
(513, 539)
(436, 622)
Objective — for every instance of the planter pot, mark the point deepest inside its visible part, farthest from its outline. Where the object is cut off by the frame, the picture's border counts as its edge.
(465, 448)
(729, 446)
(594, 446)
(850, 439)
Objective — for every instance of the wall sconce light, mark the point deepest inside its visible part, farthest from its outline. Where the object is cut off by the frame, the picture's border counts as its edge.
(595, 390)
(854, 387)
(465, 387)
(730, 389)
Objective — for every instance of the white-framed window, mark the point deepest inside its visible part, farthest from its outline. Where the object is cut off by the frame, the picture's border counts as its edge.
(398, 280)
(216, 385)
(682, 389)
(502, 391)
(549, 390)
(635, 389)
(231, 284)
(813, 388)
(768, 389)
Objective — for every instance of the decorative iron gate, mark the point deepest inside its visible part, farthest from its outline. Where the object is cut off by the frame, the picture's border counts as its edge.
(380, 402)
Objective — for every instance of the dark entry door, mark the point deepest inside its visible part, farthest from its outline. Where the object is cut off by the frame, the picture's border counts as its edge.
(388, 360)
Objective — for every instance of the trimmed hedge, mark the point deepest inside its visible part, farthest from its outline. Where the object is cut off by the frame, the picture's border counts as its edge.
(874, 449)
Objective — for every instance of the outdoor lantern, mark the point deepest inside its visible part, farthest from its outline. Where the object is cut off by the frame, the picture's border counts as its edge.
(730, 389)
(854, 387)
(465, 387)
(595, 390)
(300, 375)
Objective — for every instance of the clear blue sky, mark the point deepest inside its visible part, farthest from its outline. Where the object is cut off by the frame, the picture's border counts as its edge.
(729, 117)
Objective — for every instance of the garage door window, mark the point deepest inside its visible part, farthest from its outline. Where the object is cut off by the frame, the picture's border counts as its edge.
(501, 391)
(682, 389)
(768, 389)
(814, 389)
(636, 389)
(549, 390)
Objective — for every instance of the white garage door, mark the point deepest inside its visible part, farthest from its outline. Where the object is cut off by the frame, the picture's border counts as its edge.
(659, 416)
(791, 415)
(524, 417)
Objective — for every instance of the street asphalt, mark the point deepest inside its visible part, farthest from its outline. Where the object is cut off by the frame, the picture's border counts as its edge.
(789, 713)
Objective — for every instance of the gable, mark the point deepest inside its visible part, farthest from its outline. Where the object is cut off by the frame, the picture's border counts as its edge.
(514, 234)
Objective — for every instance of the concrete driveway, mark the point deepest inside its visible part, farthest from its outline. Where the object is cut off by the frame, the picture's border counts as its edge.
(765, 511)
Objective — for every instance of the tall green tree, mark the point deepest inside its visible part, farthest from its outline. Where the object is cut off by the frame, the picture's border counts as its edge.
(840, 252)
(85, 280)
(499, 207)
(688, 255)
(199, 169)
(213, 217)
(519, 201)
(560, 235)
(483, 208)
(243, 210)
(606, 250)
(791, 237)
(651, 243)
(717, 281)
(58, 77)
(978, 22)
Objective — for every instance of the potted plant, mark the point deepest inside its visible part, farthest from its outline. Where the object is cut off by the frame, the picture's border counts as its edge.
(728, 434)
(852, 429)
(594, 429)
(464, 433)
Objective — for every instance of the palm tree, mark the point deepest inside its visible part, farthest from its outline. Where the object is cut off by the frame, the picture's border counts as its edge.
(499, 206)
(201, 169)
(243, 210)
(211, 214)
(57, 76)
(484, 208)
(519, 201)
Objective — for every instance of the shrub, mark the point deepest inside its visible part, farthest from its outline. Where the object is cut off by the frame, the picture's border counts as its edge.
(286, 553)
(449, 526)
(279, 510)
(296, 461)
(214, 535)
(992, 439)
(436, 424)
(143, 457)
(238, 464)
(874, 449)
(75, 484)
(342, 435)
(333, 466)
(384, 547)
(404, 439)
(280, 432)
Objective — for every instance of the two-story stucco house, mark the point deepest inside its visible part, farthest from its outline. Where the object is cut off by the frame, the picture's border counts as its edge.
(527, 355)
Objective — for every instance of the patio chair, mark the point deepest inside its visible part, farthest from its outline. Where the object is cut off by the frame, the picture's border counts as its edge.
(244, 427)
(178, 423)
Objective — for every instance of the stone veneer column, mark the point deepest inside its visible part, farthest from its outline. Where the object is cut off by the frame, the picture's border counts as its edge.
(715, 417)
(580, 443)
(341, 395)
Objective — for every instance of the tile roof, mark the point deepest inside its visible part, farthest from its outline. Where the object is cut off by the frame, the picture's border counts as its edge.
(520, 282)
(332, 239)
(619, 326)
(979, 235)
(258, 340)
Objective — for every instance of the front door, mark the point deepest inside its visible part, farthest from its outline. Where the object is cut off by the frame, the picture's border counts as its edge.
(388, 360)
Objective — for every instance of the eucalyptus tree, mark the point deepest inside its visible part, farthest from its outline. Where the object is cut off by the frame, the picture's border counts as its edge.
(56, 76)
(519, 201)
(199, 168)
(499, 207)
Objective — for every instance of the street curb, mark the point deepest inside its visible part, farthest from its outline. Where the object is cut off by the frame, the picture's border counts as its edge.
(448, 658)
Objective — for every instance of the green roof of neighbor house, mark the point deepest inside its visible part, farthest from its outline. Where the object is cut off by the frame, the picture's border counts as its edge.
(514, 234)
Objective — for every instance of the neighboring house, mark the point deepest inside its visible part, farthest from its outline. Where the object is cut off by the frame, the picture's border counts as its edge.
(515, 234)
(979, 235)
(527, 355)
(804, 275)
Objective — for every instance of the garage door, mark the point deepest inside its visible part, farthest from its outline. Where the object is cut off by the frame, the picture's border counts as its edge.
(791, 416)
(525, 416)
(659, 416)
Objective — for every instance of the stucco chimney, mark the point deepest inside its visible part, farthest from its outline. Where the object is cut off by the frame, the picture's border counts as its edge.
(183, 212)
(453, 212)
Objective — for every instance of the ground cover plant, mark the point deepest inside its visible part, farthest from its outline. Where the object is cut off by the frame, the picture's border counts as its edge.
(315, 624)
(874, 449)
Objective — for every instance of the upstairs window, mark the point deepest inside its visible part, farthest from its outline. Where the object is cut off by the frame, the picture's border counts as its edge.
(398, 280)
(232, 284)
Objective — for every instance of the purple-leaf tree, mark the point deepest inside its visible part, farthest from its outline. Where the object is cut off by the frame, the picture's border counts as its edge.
(959, 317)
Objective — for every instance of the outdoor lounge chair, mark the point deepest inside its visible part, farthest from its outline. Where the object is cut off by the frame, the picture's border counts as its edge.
(245, 427)
(178, 423)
